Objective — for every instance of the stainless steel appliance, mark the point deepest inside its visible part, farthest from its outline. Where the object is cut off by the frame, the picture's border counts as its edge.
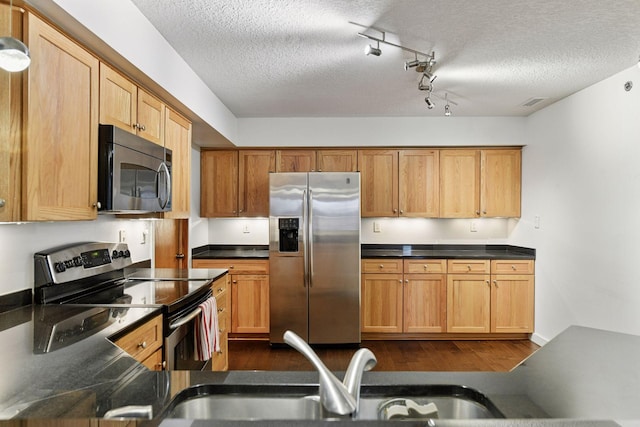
(314, 256)
(92, 274)
(134, 175)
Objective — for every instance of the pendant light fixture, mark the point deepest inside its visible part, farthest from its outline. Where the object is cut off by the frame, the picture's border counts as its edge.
(14, 55)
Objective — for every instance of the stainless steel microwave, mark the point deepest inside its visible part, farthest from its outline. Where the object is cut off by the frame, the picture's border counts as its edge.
(134, 175)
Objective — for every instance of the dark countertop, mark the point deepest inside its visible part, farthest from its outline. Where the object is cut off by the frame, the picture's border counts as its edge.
(381, 251)
(83, 379)
(580, 376)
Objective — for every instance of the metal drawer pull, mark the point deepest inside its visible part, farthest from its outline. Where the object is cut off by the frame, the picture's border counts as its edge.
(220, 310)
(143, 344)
(132, 411)
(186, 319)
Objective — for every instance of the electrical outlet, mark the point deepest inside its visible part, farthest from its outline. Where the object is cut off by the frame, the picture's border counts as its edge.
(122, 236)
(536, 221)
(245, 229)
(145, 235)
(473, 227)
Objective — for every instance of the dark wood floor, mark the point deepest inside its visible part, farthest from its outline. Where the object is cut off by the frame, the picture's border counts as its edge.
(391, 355)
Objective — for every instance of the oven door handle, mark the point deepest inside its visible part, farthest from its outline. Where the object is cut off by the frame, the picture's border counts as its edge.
(185, 319)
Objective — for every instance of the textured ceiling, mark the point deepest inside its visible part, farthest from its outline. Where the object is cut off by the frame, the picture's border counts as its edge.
(302, 58)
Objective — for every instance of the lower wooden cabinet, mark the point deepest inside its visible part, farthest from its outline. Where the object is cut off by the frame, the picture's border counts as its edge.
(222, 293)
(145, 343)
(249, 292)
(470, 297)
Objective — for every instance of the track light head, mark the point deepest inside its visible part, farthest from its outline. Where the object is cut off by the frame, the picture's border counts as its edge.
(429, 102)
(370, 50)
(411, 64)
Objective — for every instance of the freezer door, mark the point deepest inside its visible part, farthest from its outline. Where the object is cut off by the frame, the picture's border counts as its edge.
(334, 255)
(287, 285)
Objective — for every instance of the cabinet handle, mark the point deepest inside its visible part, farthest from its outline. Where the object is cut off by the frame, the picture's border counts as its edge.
(231, 266)
(220, 310)
(406, 281)
(395, 211)
(179, 256)
(478, 213)
(164, 364)
(381, 266)
(495, 282)
(143, 344)
(426, 266)
(97, 205)
(513, 267)
(401, 212)
(488, 283)
(220, 290)
(3, 202)
(484, 212)
(468, 267)
(234, 281)
(400, 281)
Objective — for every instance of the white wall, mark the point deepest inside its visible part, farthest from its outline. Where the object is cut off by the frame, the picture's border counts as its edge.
(18, 243)
(380, 131)
(581, 175)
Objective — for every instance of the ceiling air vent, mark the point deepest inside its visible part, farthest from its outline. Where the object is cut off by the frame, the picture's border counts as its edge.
(532, 101)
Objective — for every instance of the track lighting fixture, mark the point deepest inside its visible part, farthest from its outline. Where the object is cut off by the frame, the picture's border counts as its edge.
(14, 55)
(423, 65)
(375, 51)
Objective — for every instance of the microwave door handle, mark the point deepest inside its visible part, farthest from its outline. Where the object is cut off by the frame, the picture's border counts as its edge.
(163, 165)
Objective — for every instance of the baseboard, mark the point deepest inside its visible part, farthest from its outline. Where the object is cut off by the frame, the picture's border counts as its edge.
(537, 339)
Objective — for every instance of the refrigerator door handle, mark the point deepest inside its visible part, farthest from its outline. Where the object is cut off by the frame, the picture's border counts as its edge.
(305, 255)
(310, 237)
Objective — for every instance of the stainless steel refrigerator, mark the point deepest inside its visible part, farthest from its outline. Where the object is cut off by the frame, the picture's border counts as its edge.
(314, 256)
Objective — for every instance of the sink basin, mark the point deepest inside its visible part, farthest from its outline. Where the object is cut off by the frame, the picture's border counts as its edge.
(301, 402)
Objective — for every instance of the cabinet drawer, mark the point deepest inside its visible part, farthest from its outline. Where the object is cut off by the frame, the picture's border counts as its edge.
(235, 266)
(154, 362)
(381, 265)
(425, 266)
(499, 266)
(143, 341)
(471, 266)
(221, 286)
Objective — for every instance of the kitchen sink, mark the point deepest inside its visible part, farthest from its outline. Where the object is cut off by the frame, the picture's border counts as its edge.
(301, 402)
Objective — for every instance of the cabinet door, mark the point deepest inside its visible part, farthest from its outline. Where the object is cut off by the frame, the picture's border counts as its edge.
(250, 303)
(253, 181)
(295, 161)
(419, 172)
(501, 182)
(218, 184)
(337, 160)
(381, 303)
(118, 99)
(61, 156)
(459, 183)
(178, 140)
(512, 302)
(425, 303)
(10, 127)
(150, 120)
(468, 303)
(379, 182)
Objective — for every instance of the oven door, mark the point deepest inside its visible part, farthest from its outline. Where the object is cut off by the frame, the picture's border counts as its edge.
(179, 342)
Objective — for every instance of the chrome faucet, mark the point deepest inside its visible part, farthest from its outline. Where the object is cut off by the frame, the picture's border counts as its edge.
(342, 398)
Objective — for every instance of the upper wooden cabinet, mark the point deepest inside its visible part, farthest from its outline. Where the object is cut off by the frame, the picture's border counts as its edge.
(178, 139)
(218, 183)
(10, 126)
(330, 160)
(60, 145)
(295, 161)
(235, 183)
(500, 184)
(480, 183)
(399, 182)
(129, 107)
(253, 181)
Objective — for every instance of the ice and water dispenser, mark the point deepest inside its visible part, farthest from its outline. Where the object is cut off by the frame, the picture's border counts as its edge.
(288, 234)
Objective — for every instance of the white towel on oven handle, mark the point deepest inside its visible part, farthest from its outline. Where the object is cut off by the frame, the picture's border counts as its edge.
(207, 338)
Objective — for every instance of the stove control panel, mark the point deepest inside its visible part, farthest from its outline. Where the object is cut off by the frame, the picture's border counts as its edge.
(78, 261)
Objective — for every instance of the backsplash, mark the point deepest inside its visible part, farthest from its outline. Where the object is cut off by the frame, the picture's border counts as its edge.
(21, 241)
(255, 231)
